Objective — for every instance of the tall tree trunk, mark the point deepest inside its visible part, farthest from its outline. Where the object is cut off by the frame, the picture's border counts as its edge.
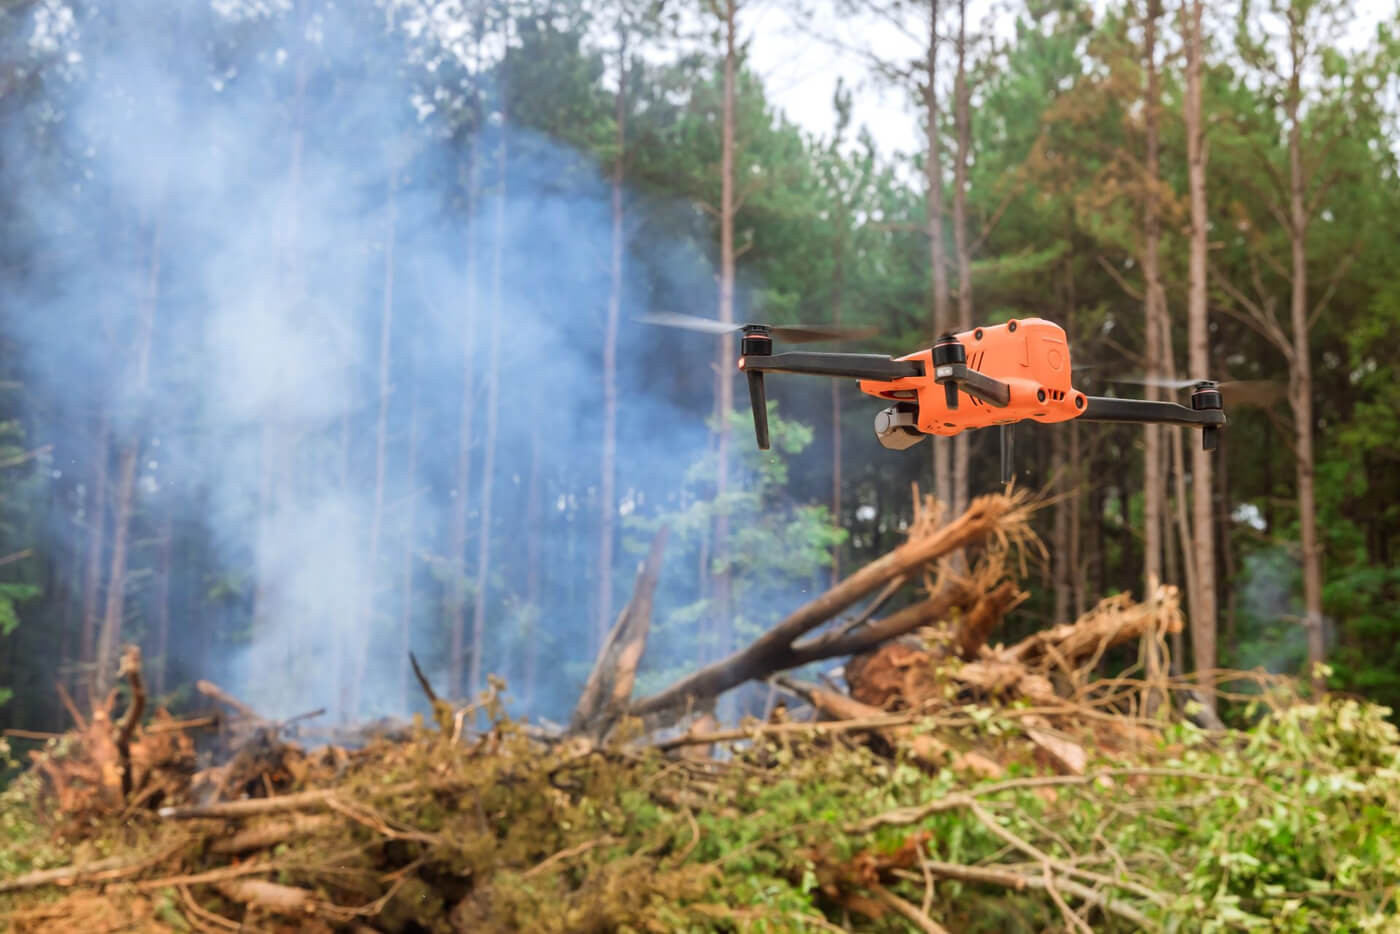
(602, 620)
(724, 579)
(110, 633)
(160, 657)
(457, 547)
(275, 467)
(1078, 561)
(1203, 620)
(1227, 550)
(364, 626)
(963, 121)
(1300, 381)
(1172, 564)
(939, 321)
(96, 539)
(534, 541)
(1183, 525)
(1154, 490)
(1060, 537)
(837, 297)
(493, 380)
(410, 544)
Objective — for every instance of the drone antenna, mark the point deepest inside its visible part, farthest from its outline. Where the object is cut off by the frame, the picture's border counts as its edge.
(757, 341)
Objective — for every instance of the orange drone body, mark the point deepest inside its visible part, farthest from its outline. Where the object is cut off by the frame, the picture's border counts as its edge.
(1031, 356)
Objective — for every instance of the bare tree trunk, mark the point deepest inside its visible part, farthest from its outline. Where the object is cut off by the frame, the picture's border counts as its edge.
(1154, 490)
(162, 607)
(963, 121)
(724, 580)
(110, 633)
(276, 444)
(1183, 524)
(534, 540)
(493, 380)
(838, 295)
(1079, 563)
(933, 174)
(96, 540)
(1300, 382)
(457, 596)
(1227, 550)
(1203, 618)
(410, 534)
(364, 626)
(608, 507)
(1172, 564)
(1060, 538)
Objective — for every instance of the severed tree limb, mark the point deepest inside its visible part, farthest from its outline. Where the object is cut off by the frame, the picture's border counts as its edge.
(214, 692)
(927, 750)
(269, 896)
(442, 710)
(105, 870)
(269, 835)
(909, 912)
(609, 685)
(778, 648)
(131, 670)
(1116, 620)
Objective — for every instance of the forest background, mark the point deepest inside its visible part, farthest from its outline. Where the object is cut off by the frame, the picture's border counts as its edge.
(320, 340)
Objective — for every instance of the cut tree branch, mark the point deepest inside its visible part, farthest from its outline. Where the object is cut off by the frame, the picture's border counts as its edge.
(777, 650)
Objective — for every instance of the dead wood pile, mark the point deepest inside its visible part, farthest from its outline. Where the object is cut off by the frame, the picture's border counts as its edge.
(475, 823)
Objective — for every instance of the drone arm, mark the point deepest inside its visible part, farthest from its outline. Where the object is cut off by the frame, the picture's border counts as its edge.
(1108, 409)
(840, 365)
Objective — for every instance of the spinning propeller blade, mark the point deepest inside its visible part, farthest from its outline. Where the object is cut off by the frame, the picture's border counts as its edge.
(1239, 392)
(791, 333)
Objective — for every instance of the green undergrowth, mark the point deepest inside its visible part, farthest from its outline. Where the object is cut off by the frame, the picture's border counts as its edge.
(1290, 825)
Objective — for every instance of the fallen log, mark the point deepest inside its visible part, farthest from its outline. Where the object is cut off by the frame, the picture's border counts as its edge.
(609, 686)
(999, 515)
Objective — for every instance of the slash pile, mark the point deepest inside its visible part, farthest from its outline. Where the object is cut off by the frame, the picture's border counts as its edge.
(955, 786)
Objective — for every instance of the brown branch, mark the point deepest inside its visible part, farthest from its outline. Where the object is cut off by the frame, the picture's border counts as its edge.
(269, 896)
(27, 456)
(79, 720)
(267, 836)
(14, 556)
(17, 733)
(105, 870)
(566, 854)
(910, 913)
(995, 219)
(1337, 274)
(609, 686)
(1133, 292)
(775, 649)
(130, 669)
(214, 692)
(176, 726)
(823, 728)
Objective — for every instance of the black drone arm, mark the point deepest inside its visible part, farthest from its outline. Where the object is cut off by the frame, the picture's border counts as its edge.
(1149, 411)
(841, 365)
(757, 358)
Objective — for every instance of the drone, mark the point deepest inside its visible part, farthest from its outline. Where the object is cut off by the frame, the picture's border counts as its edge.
(991, 376)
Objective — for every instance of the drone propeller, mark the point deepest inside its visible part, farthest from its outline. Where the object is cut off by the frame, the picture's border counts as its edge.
(791, 333)
(1261, 393)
